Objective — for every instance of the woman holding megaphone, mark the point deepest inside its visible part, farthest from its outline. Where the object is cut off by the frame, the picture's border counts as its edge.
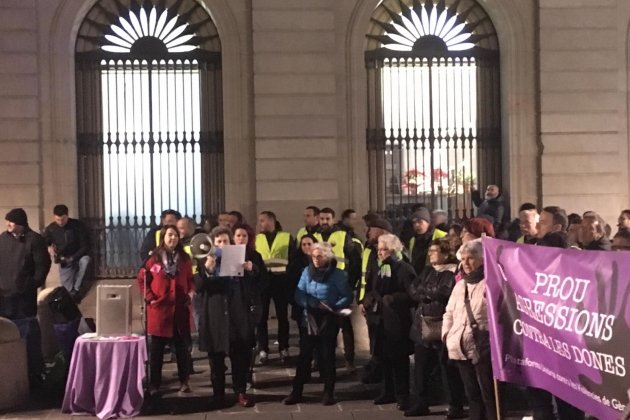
(226, 324)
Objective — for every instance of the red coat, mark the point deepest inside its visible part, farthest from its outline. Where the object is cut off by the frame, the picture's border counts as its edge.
(168, 303)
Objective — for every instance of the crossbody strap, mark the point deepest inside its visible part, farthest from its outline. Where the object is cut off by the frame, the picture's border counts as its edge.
(471, 317)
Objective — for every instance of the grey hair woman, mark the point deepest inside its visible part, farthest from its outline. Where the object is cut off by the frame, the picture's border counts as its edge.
(469, 349)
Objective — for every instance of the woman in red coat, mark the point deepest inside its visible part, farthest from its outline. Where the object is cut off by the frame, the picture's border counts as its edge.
(169, 286)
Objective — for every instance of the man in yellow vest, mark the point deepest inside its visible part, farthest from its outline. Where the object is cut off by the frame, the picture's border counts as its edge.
(369, 269)
(348, 259)
(152, 238)
(424, 233)
(275, 246)
(311, 223)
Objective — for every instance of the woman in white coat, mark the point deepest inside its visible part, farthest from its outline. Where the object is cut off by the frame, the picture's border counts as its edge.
(465, 332)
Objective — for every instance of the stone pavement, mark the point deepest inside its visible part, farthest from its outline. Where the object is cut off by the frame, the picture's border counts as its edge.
(272, 384)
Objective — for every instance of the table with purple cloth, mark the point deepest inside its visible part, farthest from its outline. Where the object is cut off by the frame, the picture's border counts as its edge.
(105, 377)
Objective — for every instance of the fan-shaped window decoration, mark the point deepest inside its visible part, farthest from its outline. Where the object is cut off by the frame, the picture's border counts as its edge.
(149, 32)
(149, 122)
(433, 105)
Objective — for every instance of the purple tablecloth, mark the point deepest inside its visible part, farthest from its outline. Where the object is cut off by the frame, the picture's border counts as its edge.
(105, 377)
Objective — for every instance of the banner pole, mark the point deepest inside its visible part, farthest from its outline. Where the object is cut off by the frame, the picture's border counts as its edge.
(497, 401)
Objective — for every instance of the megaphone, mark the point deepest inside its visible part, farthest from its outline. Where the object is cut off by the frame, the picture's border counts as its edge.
(201, 246)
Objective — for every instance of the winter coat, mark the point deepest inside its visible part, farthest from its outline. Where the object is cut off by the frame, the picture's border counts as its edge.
(296, 267)
(493, 208)
(168, 300)
(456, 326)
(330, 288)
(388, 307)
(230, 308)
(24, 265)
(431, 290)
(601, 244)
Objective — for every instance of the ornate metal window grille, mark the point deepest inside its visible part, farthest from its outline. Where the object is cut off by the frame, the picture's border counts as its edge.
(434, 125)
(149, 122)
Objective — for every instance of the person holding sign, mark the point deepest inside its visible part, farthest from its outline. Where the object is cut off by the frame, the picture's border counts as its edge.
(325, 295)
(227, 319)
(465, 332)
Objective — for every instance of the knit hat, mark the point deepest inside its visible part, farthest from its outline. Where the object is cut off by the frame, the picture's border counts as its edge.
(422, 214)
(478, 225)
(17, 216)
(381, 224)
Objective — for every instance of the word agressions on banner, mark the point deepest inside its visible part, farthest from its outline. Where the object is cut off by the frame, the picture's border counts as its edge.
(560, 321)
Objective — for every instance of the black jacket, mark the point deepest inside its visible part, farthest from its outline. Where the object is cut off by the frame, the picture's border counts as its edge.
(431, 291)
(554, 240)
(230, 308)
(388, 307)
(494, 208)
(71, 240)
(602, 244)
(421, 249)
(24, 265)
(149, 242)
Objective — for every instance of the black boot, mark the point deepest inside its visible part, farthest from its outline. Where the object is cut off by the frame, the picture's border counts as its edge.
(294, 397)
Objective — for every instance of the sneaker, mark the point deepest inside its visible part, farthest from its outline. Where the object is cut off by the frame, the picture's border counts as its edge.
(244, 400)
(263, 357)
(284, 355)
(292, 399)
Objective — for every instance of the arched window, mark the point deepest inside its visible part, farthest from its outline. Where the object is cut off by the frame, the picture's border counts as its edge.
(149, 122)
(434, 126)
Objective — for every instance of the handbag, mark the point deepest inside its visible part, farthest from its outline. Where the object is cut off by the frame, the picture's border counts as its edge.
(481, 338)
(430, 328)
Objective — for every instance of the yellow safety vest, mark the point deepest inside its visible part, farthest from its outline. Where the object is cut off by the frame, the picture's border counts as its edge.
(365, 258)
(358, 242)
(337, 239)
(157, 238)
(276, 258)
(521, 239)
(437, 234)
(188, 250)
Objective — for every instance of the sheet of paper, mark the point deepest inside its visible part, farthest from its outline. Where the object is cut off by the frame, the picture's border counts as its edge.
(232, 260)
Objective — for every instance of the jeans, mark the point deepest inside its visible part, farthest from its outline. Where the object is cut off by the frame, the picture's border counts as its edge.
(72, 275)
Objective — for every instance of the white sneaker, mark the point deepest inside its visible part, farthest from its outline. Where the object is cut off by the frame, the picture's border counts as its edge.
(263, 357)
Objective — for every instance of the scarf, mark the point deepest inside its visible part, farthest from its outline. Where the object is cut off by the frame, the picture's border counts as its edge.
(169, 262)
(474, 277)
(385, 266)
(321, 274)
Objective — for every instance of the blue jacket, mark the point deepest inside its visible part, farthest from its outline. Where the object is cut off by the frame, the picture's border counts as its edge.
(333, 289)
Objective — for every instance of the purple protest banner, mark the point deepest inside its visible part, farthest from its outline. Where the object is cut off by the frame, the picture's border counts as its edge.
(559, 320)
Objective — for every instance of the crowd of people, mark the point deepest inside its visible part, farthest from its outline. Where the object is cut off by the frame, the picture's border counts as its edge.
(422, 294)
